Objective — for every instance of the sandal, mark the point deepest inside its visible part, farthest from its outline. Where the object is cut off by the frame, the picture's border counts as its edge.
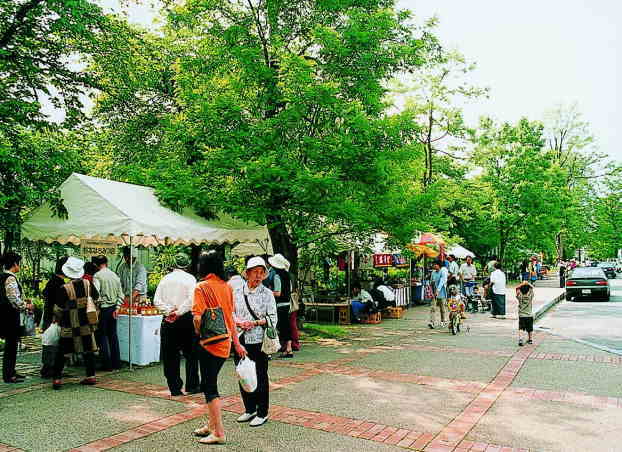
(203, 431)
(212, 439)
(57, 384)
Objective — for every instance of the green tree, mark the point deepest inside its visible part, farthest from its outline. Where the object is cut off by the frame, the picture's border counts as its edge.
(434, 96)
(32, 168)
(573, 149)
(520, 186)
(275, 112)
(605, 233)
(45, 46)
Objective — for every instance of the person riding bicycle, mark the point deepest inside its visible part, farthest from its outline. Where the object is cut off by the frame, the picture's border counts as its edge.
(455, 297)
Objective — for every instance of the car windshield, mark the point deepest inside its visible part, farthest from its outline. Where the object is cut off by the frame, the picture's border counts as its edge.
(587, 272)
(607, 264)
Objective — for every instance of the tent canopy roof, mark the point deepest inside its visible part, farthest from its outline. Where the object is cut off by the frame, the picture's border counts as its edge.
(104, 209)
(460, 252)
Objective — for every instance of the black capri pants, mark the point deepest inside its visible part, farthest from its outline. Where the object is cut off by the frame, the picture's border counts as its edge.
(283, 325)
(210, 367)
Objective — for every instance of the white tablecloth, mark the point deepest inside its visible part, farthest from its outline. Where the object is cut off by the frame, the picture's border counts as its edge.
(145, 338)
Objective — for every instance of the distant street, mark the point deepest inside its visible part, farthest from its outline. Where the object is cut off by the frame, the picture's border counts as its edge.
(596, 322)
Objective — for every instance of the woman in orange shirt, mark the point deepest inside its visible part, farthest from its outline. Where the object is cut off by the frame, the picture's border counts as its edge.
(212, 292)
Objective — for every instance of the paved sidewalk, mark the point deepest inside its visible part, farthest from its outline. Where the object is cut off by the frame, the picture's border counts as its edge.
(393, 386)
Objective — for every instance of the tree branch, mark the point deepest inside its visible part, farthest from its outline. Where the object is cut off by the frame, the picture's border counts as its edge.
(18, 22)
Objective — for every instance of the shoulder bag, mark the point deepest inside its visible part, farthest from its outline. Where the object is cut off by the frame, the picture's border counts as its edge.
(91, 310)
(213, 327)
(270, 343)
(92, 316)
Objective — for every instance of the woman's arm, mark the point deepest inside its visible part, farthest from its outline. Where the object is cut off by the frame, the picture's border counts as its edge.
(199, 306)
(231, 326)
(270, 310)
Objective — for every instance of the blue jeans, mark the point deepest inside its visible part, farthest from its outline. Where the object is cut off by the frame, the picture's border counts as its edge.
(358, 308)
(108, 339)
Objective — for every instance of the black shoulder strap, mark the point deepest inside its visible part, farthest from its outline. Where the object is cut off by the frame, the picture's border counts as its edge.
(248, 306)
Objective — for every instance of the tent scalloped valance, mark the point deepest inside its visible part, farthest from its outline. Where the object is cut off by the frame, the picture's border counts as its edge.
(103, 209)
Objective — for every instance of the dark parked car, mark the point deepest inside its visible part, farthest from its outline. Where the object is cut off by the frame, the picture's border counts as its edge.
(587, 282)
(609, 268)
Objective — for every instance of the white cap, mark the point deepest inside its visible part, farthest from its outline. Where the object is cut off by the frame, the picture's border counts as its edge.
(73, 268)
(256, 262)
(279, 261)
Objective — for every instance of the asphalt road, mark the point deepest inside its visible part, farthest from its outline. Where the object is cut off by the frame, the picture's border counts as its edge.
(595, 322)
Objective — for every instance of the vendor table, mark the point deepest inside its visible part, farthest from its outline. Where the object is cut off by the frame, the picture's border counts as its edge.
(402, 296)
(145, 338)
(312, 311)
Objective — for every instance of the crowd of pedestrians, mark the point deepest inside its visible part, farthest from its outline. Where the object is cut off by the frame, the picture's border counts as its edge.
(82, 301)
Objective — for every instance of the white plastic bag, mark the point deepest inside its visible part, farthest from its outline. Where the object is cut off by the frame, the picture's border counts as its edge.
(247, 374)
(51, 336)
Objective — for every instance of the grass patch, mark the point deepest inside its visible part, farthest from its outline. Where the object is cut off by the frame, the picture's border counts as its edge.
(317, 331)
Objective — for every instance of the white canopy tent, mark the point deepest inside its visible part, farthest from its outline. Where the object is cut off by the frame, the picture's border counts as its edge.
(256, 248)
(130, 215)
(104, 209)
(460, 252)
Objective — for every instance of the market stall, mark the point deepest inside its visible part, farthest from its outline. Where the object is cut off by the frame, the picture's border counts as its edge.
(127, 214)
(426, 247)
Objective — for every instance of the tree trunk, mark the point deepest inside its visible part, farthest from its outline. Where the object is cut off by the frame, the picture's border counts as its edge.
(559, 242)
(11, 239)
(282, 243)
(195, 252)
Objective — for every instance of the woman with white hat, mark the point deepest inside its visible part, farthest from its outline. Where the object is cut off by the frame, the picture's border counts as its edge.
(70, 312)
(254, 308)
(282, 294)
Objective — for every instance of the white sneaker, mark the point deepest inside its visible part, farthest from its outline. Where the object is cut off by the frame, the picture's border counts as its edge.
(258, 421)
(246, 417)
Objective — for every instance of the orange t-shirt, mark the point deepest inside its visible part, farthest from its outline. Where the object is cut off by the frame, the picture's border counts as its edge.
(203, 297)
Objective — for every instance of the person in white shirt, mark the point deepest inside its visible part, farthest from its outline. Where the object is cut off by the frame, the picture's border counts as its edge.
(454, 270)
(497, 279)
(362, 302)
(388, 293)
(468, 272)
(174, 297)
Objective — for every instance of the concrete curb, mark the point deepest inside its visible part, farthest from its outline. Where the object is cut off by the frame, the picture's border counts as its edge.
(540, 312)
(544, 308)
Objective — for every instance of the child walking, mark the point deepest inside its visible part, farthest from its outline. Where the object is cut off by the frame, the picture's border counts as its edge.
(524, 294)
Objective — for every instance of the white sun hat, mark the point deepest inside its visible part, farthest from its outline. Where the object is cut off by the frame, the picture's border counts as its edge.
(73, 268)
(256, 262)
(278, 261)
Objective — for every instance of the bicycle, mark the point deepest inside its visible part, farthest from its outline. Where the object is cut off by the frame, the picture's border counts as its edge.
(455, 315)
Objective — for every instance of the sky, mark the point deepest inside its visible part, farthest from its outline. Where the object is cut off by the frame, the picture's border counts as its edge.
(534, 55)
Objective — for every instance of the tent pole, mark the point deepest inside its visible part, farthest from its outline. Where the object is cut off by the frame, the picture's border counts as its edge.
(129, 352)
(410, 283)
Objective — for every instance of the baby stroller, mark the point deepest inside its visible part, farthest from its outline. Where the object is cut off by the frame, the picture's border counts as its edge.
(479, 301)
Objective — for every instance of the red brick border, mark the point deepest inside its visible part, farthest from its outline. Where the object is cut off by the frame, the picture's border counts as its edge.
(356, 428)
(7, 448)
(579, 398)
(452, 436)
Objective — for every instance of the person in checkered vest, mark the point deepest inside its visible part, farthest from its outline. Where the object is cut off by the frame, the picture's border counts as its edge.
(73, 314)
